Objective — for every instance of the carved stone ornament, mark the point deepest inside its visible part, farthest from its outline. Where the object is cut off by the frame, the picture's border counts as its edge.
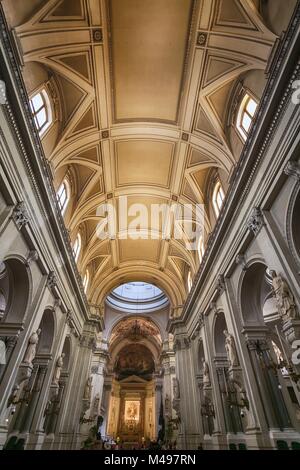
(293, 169)
(201, 39)
(220, 285)
(32, 256)
(20, 215)
(241, 260)
(256, 221)
(52, 280)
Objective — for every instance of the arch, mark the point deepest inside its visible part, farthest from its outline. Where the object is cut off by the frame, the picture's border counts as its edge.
(47, 326)
(15, 285)
(134, 359)
(133, 272)
(220, 326)
(295, 224)
(254, 293)
(277, 14)
(154, 321)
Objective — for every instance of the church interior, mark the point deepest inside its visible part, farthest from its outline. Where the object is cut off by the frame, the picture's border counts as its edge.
(149, 224)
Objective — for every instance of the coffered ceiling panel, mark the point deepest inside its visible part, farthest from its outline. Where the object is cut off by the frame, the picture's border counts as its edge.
(131, 250)
(143, 162)
(147, 74)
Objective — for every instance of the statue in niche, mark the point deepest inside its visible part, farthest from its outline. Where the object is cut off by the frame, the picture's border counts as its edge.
(58, 369)
(231, 349)
(96, 404)
(176, 389)
(167, 405)
(206, 377)
(88, 389)
(284, 298)
(31, 348)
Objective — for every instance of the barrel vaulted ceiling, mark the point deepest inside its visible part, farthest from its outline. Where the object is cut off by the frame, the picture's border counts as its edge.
(144, 86)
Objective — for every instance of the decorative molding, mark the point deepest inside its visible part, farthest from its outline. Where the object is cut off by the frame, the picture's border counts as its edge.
(289, 222)
(213, 307)
(293, 169)
(37, 149)
(20, 215)
(87, 342)
(105, 134)
(256, 221)
(249, 161)
(241, 260)
(182, 343)
(32, 256)
(52, 280)
(57, 304)
(97, 35)
(202, 39)
(220, 285)
(200, 320)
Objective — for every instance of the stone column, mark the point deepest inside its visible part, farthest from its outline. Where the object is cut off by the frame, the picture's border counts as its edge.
(35, 394)
(269, 387)
(158, 384)
(75, 406)
(98, 370)
(107, 388)
(219, 428)
(190, 426)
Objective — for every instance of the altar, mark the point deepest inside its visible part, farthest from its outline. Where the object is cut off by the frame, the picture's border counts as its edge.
(132, 411)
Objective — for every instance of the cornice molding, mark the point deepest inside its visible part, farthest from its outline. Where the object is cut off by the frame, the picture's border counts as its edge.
(37, 166)
(279, 85)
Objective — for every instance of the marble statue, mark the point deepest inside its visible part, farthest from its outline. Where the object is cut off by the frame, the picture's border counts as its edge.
(176, 390)
(206, 378)
(167, 404)
(284, 298)
(58, 368)
(88, 389)
(31, 348)
(96, 404)
(230, 349)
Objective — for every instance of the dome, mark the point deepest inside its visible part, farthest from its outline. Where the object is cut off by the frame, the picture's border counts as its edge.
(137, 297)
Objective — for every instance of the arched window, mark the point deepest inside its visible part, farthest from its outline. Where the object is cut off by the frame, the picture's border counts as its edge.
(86, 281)
(63, 195)
(77, 247)
(218, 198)
(190, 280)
(245, 115)
(201, 249)
(41, 110)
